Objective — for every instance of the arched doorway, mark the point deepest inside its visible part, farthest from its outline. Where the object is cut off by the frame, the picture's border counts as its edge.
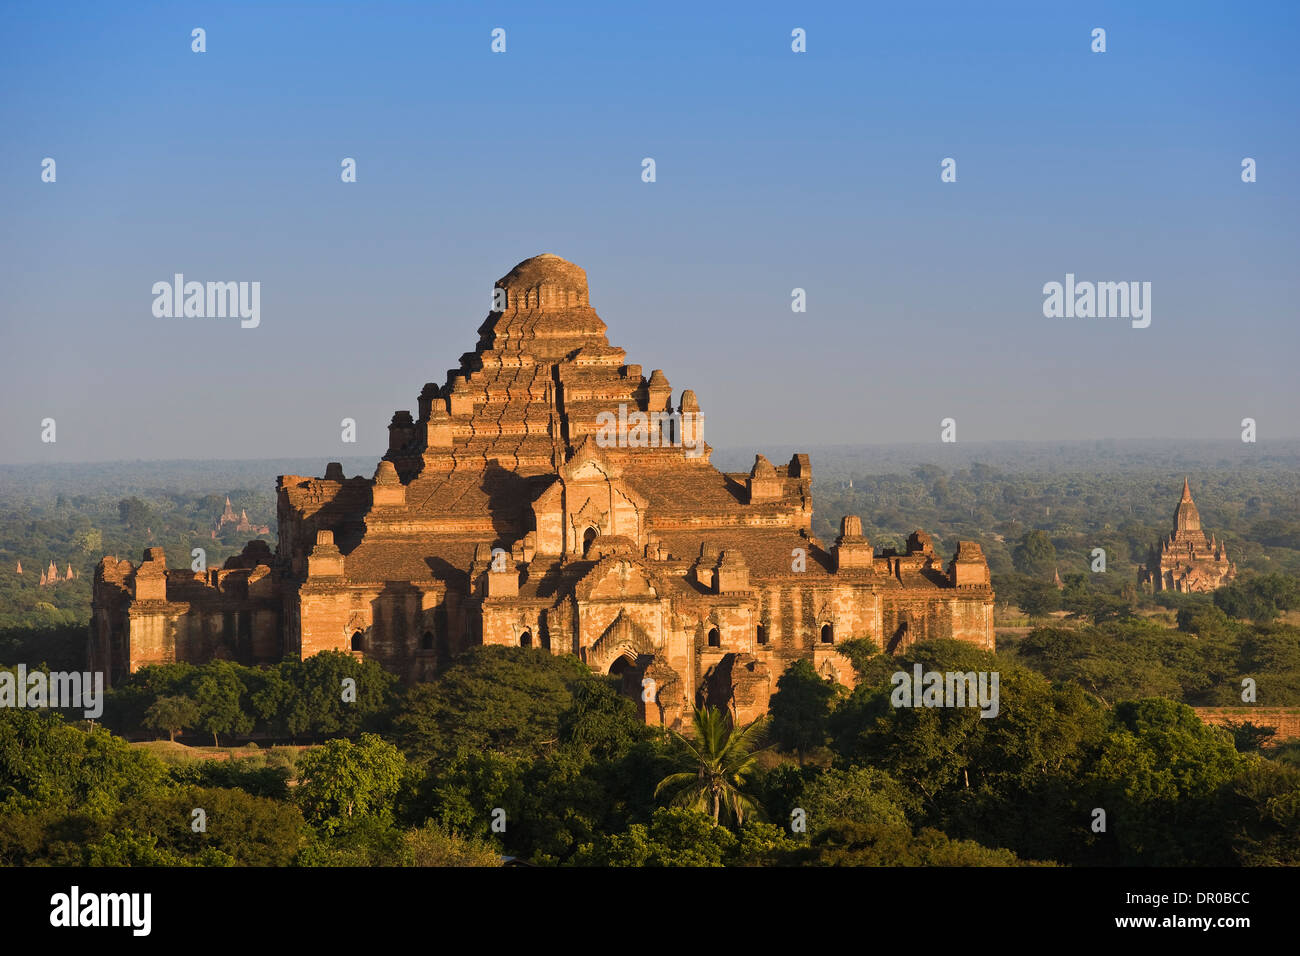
(426, 641)
(828, 634)
(358, 641)
(621, 666)
(526, 639)
(715, 638)
(588, 537)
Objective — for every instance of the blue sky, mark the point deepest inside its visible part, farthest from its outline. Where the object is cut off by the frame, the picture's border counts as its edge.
(775, 170)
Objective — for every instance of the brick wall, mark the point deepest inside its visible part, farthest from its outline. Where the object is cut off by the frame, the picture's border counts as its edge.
(1285, 719)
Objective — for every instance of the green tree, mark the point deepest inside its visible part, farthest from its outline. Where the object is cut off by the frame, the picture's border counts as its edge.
(134, 513)
(861, 794)
(459, 794)
(1156, 773)
(244, 829)
(89, 542)
(1038, 598)
(1260, 810)
(46, 763)
(1035, 555)
(884, 844)
(171, 715)
(508, 699)
(218, 695)
(675, 836)
(718, 759)
(343, 780)
(1006, 780)
(801, 708)
(317, 704)
(602, 720)
(127, 848)
(1205, 620)
(430, 846)
(1259, 598)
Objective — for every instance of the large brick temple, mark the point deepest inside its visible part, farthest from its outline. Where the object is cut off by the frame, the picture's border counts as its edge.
(551, 495)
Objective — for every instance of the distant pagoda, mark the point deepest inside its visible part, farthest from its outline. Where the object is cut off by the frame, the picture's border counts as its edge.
(1187, 561)
(240, 522)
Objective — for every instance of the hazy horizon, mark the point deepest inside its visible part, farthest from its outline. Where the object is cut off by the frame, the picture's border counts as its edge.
(735, 456)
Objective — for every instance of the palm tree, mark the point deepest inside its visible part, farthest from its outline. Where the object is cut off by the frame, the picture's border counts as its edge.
(718, 760)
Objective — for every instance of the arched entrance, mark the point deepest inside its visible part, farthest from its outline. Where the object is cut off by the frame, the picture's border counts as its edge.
(588, 537)
(621, 665)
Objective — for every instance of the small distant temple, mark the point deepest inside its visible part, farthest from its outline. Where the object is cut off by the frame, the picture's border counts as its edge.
(51, 576)
(1187, 561)
(241, 523)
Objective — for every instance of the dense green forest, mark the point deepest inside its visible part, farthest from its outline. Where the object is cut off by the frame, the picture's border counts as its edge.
(516, 752)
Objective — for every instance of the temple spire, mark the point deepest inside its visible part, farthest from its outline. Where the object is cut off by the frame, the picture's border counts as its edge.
(1187, 519)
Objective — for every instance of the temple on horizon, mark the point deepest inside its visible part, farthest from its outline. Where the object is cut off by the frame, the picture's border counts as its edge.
(1186, 561)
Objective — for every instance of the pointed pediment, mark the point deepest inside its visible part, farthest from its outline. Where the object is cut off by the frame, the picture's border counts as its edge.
(617, 577)
(591, 470)
(589, 464)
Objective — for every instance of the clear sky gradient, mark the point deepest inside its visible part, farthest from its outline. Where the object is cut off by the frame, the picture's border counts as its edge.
(775, 170)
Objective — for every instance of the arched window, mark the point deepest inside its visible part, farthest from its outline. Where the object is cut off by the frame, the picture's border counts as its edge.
(761, 634)
(358, 641)
(828, 635)
(526, 639)
(715, 639)
(426, 641)
(588, 536)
